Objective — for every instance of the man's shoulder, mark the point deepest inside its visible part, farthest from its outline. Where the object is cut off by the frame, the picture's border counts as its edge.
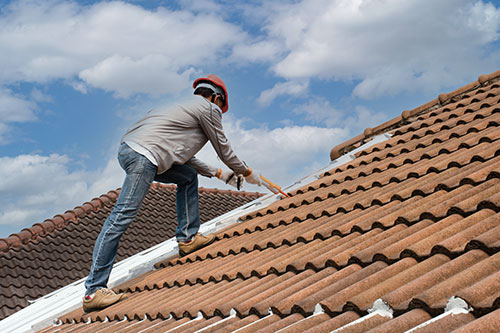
(196, 106)
(200, 104)
(193, 102)
(190, 102)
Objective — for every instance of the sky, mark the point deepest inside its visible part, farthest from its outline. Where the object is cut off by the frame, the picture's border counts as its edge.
(303, 77)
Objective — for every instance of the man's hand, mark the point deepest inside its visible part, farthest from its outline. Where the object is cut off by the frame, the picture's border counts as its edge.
(229, 177)
(253, 178)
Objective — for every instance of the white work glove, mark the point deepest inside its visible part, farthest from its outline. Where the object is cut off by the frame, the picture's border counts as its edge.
(253, 178)
(229, 177)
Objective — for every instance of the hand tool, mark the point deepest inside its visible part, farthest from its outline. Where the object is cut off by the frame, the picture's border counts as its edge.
(239, 180)
(272, 186)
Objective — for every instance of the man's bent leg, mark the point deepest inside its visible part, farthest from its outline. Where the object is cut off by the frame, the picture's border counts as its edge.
(188, 213)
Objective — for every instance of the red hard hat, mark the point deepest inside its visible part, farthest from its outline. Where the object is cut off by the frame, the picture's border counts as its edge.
(217, 81)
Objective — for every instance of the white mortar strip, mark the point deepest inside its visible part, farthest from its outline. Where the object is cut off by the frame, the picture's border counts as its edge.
(132, 323)
(43, 311)
(151, 327)
(318, 309)
(252, 323)
(198, 317)
(454, 306)
(379, 308)
(232, 314)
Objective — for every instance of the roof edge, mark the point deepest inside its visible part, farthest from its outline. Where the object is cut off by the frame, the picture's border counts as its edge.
(44, 310)
(441, 100)
(57, 222)
(44, 228)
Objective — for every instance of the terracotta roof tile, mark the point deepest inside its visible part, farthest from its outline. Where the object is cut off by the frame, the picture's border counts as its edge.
(383, 243)
(447, 323)
(487, 323)
(56, 252)
(330, 324)
(437, 296)
(400, 298)
(403, 323)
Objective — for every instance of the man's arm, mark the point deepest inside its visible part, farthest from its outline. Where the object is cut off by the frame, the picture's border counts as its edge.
(202, 168)
(211, 122)
(228, 177)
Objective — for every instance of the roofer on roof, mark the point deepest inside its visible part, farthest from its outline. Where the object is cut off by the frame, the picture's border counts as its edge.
(161, 147)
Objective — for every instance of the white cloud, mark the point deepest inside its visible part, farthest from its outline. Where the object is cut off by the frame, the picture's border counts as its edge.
(151, 75)
(390, 45)
(361, 118)
(284, 155)
(258, 51)
(36, 187)
(25, 168)
(107, 179)
(111, 45)
(206, 6)
(14, 108)
(19, 215)
(291, 88)
(4, 130)
(319, 110)
(38, 96)
(355, 120)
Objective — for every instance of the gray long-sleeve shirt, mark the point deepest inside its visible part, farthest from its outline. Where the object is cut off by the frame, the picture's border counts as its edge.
(174, 134)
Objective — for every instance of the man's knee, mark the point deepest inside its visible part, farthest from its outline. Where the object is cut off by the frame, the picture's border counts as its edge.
(191, 174)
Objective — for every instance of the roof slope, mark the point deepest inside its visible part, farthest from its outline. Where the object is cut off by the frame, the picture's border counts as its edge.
(406, 236)
(52, 254)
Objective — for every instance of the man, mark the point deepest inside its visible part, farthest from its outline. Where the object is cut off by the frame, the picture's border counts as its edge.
(161, 147)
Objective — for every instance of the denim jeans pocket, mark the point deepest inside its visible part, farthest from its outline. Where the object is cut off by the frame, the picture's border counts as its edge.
(133, 162)
(125, 156)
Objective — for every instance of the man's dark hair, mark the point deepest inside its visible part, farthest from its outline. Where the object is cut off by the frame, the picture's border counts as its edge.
(204, 91)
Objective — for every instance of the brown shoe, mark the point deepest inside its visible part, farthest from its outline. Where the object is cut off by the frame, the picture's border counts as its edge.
(199, 241)
(102, 298)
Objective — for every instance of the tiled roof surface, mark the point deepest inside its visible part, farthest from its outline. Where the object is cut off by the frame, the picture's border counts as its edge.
(406, 236)
(52, 254)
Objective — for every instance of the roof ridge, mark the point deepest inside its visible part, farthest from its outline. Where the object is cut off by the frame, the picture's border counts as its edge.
(44, 228)
(441, 100)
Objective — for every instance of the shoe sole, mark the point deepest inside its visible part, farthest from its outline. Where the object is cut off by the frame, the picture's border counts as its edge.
(183, 254)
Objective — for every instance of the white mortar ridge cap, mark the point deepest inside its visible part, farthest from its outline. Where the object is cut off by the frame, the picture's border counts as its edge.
(382, 308)
(379, 308)
(318, 309)
(454, 306)
(44, 311)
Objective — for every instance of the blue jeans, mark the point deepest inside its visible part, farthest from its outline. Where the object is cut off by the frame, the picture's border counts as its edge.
(140, 173)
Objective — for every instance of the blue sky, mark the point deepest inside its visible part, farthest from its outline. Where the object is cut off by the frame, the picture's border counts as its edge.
(303, 76)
